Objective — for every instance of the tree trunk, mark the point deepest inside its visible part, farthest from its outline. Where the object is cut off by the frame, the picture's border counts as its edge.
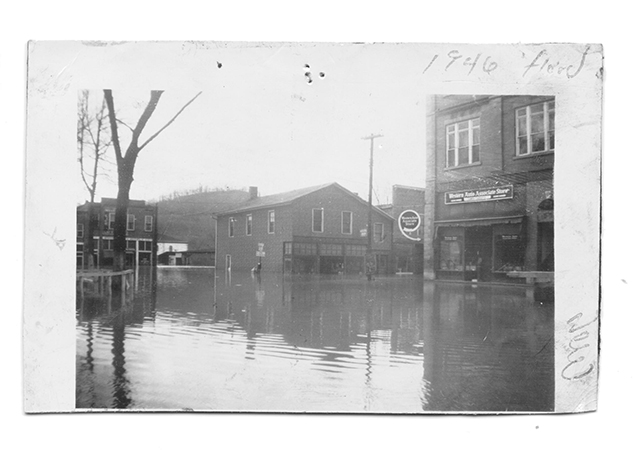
(125, 178)
(90, 227)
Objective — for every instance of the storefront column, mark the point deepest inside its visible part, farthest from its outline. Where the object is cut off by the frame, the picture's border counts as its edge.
(429, 192)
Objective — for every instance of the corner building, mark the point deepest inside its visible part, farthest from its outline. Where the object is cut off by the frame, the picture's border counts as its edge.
(320, 229)
(493, 200)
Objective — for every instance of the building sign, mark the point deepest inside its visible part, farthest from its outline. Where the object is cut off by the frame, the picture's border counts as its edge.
(510, 237)
(479, 195)
(409, 221)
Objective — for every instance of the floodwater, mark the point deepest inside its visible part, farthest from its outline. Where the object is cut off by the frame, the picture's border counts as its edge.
(396, 344)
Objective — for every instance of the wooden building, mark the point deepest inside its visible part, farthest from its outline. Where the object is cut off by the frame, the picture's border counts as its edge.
(321, 229)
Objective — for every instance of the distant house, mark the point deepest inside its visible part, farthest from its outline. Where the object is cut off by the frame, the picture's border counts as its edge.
(320, 229)
(141, 233)
(171, 251)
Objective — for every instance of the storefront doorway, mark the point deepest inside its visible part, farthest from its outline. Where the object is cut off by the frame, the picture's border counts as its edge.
(478, 253)
(545, 247)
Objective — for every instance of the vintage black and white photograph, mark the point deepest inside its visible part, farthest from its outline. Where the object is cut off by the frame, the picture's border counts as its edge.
(322, 228)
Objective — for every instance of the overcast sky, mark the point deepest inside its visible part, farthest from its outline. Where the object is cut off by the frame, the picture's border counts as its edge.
(259, 122)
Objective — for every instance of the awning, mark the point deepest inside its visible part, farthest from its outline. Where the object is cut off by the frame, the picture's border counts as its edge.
(480, 222)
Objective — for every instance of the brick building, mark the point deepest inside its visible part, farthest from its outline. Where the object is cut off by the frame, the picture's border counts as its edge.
(408, 249)
(491, 170)
(321, 229)
(141, 233)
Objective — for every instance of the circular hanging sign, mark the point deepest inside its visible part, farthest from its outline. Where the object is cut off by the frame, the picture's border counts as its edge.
(409, 221)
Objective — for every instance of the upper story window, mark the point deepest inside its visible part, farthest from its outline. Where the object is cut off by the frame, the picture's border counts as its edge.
(148, 222)
(535, 128)
(317, 220)
(271, 215)
(80, 231)
(249, 224)
(109, 220)
(463, 143)
(131, 222)
(232, 226)
(347, 223)
(378, 232)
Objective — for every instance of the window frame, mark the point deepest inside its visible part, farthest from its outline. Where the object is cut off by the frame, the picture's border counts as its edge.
(248, 224)
(546, 128)
(80, 230)
(454, 128)
(350, 232)
(313, 220)
(271, 222)
(111, 219)
(131, 219)
(231, 227)
(148, 222)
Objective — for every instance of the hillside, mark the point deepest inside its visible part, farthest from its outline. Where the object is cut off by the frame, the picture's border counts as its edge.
(188, 217)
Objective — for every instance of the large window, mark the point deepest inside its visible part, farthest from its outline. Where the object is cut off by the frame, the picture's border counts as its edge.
(148, 222)
(317, 222)
(330, 249)
(304, 249)
(232, 226)
(354, 250)
(145, 245)
(249, 224)
(463, 143)
(131, 222)
(535, 128)
(271, 228)
(347, 223)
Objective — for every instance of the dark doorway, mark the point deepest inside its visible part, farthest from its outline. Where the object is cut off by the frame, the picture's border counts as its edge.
(545, 247)
(478, 253)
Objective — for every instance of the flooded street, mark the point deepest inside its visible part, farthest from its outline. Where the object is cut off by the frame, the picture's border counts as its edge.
(314, 343)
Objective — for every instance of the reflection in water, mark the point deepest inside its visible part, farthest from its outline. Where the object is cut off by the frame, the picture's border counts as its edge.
(272, 342)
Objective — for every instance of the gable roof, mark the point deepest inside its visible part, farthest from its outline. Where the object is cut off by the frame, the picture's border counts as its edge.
(290, 196)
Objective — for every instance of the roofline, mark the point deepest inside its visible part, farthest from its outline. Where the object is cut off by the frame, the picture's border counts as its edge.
(415, 188)
(280, 204)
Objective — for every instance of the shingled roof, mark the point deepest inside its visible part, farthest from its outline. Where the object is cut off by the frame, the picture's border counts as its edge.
(288, 197)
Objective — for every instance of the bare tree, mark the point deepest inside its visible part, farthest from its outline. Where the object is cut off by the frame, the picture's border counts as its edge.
(126, 163)
(93, 142)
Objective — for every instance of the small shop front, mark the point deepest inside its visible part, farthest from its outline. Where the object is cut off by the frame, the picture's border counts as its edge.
(329, 258)
(480, 249)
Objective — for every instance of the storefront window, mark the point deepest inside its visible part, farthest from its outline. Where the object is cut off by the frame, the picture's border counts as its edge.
(330, 249)
(509, 253)
(451, 254)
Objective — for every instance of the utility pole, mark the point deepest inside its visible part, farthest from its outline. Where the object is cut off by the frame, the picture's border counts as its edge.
(369, 260)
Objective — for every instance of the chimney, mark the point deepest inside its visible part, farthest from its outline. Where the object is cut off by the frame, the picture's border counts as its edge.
(253, 192)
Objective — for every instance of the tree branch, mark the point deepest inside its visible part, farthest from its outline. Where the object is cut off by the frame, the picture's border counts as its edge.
(120, 121)
(170, 121)
(144, 118)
